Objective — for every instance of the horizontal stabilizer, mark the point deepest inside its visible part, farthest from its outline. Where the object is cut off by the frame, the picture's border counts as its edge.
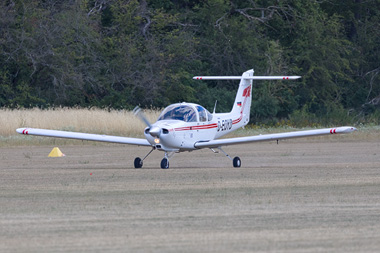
(246, 77)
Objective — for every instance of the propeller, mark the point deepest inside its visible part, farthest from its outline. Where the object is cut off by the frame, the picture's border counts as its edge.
(138, 112)
(153, 131)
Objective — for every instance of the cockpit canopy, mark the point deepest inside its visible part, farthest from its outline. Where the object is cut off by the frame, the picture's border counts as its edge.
(186, 112)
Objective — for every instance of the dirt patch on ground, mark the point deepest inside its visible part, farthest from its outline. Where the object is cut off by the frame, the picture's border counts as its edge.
(293, 197)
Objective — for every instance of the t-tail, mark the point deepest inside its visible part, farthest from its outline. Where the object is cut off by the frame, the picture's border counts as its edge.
(243, 100)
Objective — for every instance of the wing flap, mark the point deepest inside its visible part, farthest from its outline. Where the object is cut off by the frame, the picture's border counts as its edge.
(83, 136)
(269, 137)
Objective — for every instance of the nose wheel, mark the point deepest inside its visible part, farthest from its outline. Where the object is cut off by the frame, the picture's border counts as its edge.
(165, 163)
(165, 160)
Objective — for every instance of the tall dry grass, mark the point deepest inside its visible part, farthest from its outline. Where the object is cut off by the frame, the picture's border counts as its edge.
(114, 122)
(101, 121)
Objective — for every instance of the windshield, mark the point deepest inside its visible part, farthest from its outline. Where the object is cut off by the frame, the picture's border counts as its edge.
(179, 112)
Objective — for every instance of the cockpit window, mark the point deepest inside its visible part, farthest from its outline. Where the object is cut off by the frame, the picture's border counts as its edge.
(179, 112)
(209, 115)
(202, 113)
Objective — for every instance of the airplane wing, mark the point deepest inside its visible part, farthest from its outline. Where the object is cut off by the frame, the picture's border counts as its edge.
(269, 137)
(83, 136)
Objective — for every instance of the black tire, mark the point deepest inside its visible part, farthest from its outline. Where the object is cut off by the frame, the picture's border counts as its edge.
(138, 163)
(237, 162)
(165, 164)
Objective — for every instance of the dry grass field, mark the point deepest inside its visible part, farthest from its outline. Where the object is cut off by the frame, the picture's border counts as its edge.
(111, 122)
(321, 195)
(94, 120)
(305, 195)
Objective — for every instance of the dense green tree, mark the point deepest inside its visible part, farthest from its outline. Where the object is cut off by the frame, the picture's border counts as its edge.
(116, 53)
(322, 55)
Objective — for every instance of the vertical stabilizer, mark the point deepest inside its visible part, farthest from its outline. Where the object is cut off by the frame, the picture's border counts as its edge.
(243, 100)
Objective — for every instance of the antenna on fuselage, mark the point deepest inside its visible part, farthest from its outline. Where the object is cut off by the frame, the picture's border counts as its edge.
(216, 101)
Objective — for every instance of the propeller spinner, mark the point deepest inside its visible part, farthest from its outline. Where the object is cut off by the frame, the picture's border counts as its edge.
(153, 131)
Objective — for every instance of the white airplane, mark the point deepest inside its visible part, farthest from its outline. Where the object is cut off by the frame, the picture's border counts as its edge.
(187, 126)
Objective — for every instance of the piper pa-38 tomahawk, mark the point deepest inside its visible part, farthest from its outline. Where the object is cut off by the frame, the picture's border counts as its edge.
(187, 126)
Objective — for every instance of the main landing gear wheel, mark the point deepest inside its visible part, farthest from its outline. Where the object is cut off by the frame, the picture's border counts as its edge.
(236, 162)
(165, 163)
(138, 163)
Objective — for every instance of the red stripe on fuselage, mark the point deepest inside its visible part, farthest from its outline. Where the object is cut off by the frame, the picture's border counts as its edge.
(201, 127)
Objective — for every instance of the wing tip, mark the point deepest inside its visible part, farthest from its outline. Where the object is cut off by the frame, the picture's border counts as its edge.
(348, 129)
(21, 130)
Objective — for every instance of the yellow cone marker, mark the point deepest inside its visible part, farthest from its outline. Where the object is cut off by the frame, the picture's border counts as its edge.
(56, 152)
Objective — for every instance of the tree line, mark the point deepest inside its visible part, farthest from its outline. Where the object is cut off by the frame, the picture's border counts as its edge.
(123, 53)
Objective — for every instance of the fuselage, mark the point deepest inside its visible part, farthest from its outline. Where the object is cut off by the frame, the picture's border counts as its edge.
(184, 124)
